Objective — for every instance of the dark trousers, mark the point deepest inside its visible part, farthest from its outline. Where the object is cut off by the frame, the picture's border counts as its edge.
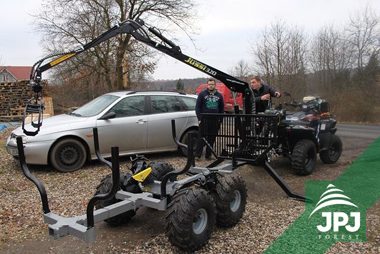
(208, 129)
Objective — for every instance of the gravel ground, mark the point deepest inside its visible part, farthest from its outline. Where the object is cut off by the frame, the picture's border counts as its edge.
(268, 212)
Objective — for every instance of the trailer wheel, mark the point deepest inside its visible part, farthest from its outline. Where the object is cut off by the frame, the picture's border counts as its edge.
(230, 198)
(190, 218)
(304, 157)
(104, 187)
(160, 169)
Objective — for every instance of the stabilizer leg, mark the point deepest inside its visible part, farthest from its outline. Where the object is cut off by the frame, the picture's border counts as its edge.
(270, 170)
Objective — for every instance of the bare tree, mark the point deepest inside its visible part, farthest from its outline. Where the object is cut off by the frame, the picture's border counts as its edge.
(271, 50)
(363, 35)
(333, 62)
(118, 61)
(330, 58)
(241, 70)
(280, 56)
(345, 62)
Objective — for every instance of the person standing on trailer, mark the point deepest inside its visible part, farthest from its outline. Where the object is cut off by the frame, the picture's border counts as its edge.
(208, 101)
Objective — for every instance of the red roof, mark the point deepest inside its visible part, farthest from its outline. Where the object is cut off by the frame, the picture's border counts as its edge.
(19, 72)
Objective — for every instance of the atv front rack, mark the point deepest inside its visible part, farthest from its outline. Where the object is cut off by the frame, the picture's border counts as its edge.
(245, 138)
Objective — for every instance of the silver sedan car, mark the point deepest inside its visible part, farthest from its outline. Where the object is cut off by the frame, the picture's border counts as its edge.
(136, 122)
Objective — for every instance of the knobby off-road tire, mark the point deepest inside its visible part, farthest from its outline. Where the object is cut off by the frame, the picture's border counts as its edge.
(230, 198)
(104, 187)
(304, 157)
(160, 169)
(333, 152)
(190, 218)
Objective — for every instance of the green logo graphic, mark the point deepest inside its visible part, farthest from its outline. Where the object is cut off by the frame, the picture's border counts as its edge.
(212, 102)
(336, 217)
(338, 210)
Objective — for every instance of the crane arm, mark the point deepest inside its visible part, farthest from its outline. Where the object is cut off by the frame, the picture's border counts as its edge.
(147, 35)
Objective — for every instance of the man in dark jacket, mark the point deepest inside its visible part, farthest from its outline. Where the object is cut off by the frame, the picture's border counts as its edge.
(263, 93)
(208, 101)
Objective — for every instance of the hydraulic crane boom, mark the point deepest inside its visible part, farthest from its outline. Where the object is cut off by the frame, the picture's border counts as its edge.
(142, 33)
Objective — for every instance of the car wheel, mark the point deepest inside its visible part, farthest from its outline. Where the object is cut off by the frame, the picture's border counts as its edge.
(304, 157)
(185, 140)
(68, 155)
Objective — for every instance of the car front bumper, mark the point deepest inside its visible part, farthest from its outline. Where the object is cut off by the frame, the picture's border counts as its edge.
(35, 152)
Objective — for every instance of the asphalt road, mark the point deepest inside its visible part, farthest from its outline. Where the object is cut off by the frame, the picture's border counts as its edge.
(358, 131)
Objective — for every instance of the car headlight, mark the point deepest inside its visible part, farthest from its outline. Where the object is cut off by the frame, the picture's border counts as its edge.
(24, 138)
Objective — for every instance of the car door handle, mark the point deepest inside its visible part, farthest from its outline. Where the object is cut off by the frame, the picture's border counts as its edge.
(140, 121)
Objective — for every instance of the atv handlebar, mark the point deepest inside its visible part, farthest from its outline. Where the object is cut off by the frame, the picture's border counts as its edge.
(293, 104)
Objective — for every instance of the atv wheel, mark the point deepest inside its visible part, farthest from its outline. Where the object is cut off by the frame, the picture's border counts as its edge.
(304, 157)
(230, 198)
(333, 152)
(190, 218)
(104, 187)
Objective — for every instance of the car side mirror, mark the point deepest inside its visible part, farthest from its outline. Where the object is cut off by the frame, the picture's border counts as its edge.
(108, 115)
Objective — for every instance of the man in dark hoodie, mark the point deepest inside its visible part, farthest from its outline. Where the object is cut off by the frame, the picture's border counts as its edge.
(208, 101)
(263, 93)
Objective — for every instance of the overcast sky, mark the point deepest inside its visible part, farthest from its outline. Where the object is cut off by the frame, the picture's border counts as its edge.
(226, 30)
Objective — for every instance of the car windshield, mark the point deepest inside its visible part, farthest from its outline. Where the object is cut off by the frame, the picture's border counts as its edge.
(95, 106)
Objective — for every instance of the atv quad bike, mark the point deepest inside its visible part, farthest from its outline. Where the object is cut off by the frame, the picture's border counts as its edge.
(309, 131)
(298, 136)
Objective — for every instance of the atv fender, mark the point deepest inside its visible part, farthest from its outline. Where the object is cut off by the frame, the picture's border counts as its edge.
(296, 133)
(325, 140)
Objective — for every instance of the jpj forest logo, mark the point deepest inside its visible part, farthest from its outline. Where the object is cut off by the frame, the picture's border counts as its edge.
(336, 216)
